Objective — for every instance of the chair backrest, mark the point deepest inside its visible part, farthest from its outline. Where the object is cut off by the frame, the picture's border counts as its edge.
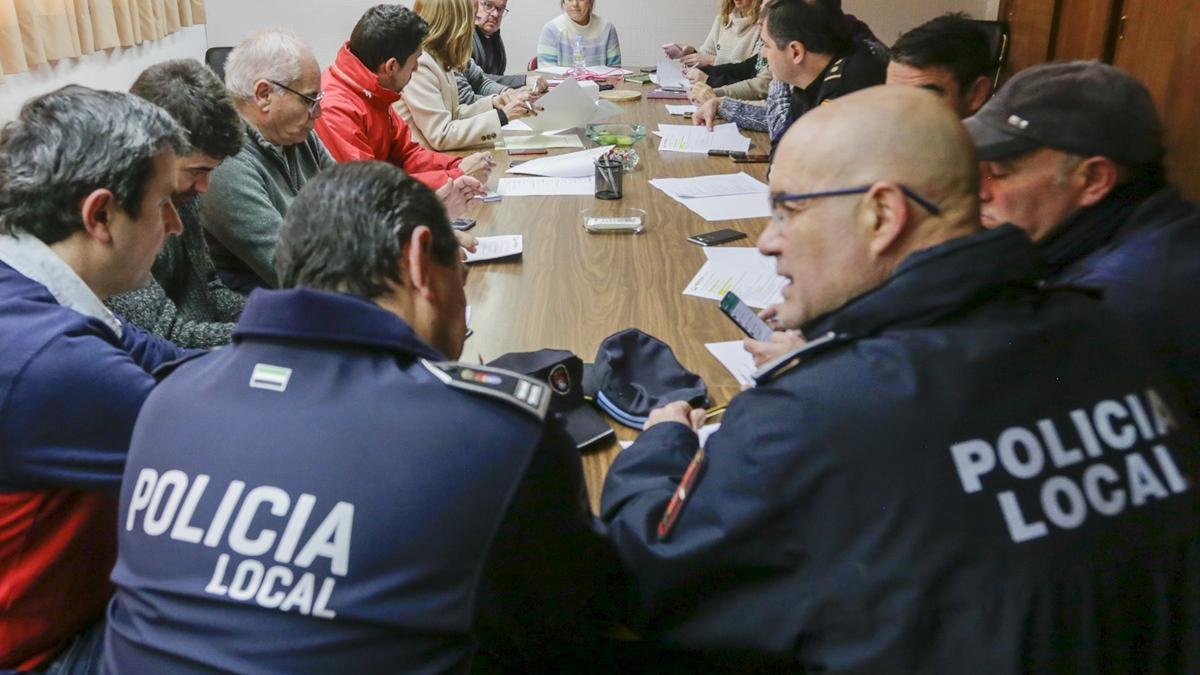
(998, 38)
(215, 58)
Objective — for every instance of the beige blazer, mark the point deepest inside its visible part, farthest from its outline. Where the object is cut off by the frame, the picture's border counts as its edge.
(430, 106)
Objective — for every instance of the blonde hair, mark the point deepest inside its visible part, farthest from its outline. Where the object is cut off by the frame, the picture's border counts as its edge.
(727, 10)
(451, 23)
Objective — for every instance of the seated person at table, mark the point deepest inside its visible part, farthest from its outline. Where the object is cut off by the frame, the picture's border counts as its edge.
(86, 179)
(487, 47)
(578, 26)
(185, 301)
(951, 57)
(733, 37)
(430, 101)
(1083, 175)
(276, 86)
(809, 48)
(356, 513)
(358, 121)
(941, 482)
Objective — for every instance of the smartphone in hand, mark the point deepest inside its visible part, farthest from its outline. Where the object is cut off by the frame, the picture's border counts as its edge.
(745, 318)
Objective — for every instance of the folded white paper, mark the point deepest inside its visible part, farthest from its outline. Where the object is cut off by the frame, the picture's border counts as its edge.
(717, 185)
(569, 165)
(542, 142)
(735, 358)
(568, 106)
(670, 73)
(756, 287)
(495, 248)
(537, 187)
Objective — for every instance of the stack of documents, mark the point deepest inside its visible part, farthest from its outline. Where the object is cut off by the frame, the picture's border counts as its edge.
(689, 138)
(541, 142)
(736, 359)
(538, 187)
(669, 74)
(566, 106)
(745, 271)
(495, 248)
(719, 197)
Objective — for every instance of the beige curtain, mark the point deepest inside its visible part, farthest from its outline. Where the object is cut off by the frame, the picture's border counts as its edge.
(33, 32)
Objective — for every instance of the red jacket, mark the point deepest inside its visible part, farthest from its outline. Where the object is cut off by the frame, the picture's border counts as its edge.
(357, 122)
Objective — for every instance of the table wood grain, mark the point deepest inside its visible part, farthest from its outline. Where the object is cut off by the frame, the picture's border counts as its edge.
(571, 288)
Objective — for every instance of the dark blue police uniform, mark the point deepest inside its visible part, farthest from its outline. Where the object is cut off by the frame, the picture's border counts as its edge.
(324, 496)
(962, 472)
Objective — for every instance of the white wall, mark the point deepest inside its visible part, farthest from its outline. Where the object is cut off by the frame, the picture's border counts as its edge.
(642, 24)
(110, 69)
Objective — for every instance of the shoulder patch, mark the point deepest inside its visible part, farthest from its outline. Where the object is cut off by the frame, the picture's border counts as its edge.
(160, 373)
(525, 393)
(835, 71)
(784, 363)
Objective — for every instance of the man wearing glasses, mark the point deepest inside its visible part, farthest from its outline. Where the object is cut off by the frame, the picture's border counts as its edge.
(276, 85)
(947, 476)
(488, 48)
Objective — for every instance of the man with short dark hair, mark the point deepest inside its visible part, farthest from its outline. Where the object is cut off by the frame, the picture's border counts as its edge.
(963, 471)
(347, 486)
(949, 56)
(487, 48)
(186, 302)
(86, 179)
(360, 87)
(1073, 154)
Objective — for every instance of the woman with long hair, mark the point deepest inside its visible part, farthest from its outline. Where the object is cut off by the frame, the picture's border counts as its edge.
(733, 37)
(429, 103)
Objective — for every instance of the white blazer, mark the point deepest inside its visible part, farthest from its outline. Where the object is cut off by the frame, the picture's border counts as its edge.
(430, 106)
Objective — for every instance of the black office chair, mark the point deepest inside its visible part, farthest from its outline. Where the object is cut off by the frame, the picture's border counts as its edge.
(997, 32)
(215, 58)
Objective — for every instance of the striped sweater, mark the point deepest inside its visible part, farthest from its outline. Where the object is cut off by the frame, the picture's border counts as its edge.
(556, 46)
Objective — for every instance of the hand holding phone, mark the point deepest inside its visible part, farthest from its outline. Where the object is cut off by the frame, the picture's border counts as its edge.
(745, 318)
(716, 237)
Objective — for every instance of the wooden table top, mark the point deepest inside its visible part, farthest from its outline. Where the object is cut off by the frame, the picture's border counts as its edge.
(571, 288)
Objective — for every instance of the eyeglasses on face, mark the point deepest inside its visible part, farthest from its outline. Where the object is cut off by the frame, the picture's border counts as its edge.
(778, 200)
(314, 102)
(489, 6)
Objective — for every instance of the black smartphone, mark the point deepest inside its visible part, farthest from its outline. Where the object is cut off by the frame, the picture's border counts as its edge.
(606, 86)
(717, 237)
(462, 224)
(745, 318)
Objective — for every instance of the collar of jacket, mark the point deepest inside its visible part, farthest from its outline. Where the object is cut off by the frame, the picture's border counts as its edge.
(1094, 226)
(34, 260)
(319, 316)
(349, 70)
(939, 281)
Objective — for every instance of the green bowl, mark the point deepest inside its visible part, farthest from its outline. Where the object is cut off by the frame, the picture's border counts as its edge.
(620, 135)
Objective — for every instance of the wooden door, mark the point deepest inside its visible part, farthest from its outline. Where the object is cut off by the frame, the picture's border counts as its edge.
(1031, 28)
(1084, 29)
(1159, 43)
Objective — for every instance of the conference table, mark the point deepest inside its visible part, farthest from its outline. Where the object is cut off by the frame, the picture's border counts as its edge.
(571, 288)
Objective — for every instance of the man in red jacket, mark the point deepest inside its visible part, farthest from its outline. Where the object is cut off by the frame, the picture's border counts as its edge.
(357, 120)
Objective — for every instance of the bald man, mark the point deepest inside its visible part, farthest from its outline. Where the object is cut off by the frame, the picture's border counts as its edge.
(945, 477)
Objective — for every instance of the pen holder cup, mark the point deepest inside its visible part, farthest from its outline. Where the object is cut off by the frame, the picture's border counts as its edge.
(609, 178)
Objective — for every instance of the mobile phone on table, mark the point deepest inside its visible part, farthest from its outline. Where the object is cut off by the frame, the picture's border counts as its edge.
(745, 318)
(462, 224)
(716, 237)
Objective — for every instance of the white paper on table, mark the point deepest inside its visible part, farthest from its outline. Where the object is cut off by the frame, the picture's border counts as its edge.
(735, 358)
(555, 70)
(598, 71)
(542, 142)
(734, 207)
(568, 106)
(670, 73)
(538, 186)
(497, 247)
(681, 109)
(717, 185)
(704, 433)
(747, 257)
(569, 165)
(516, 125)
(698, 139)
(756, 287)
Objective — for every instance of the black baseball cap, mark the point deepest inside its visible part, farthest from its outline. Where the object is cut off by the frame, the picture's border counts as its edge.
(1082, 107)
(563, 371)
(635, 373)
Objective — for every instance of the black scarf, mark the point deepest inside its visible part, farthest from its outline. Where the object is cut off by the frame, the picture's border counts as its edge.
(1094, 226)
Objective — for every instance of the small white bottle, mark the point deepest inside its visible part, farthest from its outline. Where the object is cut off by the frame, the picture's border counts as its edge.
(579, 71)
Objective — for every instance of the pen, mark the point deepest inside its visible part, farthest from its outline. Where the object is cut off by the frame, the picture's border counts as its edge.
(518, 153)
(714, 412)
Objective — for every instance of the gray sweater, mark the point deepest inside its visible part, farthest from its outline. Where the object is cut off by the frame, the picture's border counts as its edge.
(474, 84)
(185, 302)
(247, 198)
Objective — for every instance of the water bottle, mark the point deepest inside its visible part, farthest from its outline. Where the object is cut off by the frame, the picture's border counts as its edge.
(579, 71)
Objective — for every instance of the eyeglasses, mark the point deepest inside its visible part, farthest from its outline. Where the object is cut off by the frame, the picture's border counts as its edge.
(778, 200)
(314, 102)
(491, 7)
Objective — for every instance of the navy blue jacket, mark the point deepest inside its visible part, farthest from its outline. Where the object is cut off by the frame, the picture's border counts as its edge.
(376, 518)
(971, 474)
(1147, 261)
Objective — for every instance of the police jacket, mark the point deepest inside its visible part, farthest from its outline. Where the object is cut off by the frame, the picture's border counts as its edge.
(967, 474)
(1141, 245)
(326, 496)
